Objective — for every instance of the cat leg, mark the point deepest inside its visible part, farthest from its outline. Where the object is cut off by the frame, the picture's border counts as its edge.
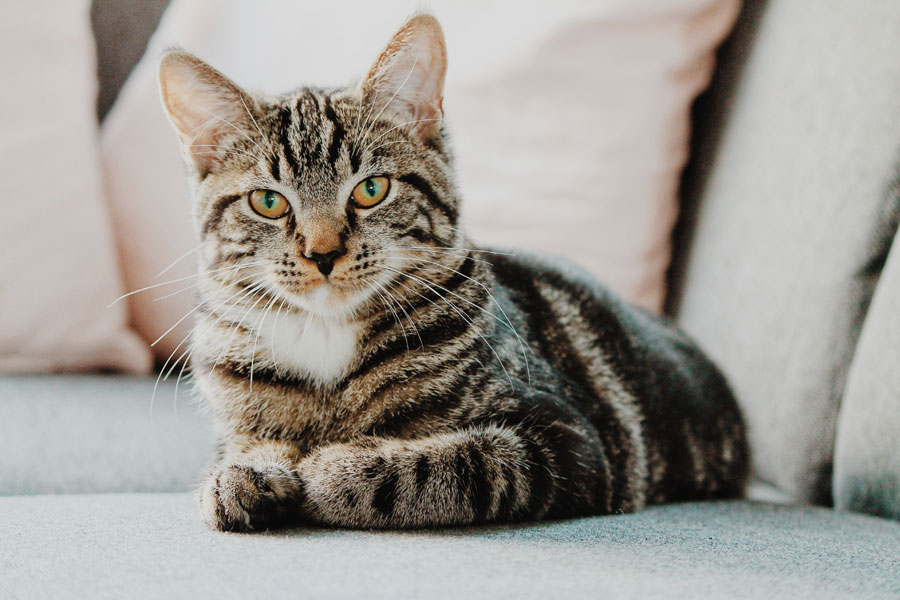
(253, 486)
(480, 474)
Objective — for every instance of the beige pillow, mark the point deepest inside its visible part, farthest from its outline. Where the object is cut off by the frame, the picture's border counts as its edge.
(58, 265)
(570, 122)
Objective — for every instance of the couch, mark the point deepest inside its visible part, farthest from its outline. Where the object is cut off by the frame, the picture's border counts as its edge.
(785, 272)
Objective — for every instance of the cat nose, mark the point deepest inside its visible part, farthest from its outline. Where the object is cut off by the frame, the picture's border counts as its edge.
(325, 261)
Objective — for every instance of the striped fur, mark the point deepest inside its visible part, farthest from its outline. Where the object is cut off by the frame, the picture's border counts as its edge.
(424, 381)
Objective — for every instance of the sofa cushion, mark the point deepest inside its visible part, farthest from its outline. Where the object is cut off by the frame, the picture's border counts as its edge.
(71, 433)
(595, 181)
(867, 449)
(58, 267)
(791, 221)
(154, 546)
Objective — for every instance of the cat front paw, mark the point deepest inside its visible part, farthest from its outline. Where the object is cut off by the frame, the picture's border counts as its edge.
(244, 498)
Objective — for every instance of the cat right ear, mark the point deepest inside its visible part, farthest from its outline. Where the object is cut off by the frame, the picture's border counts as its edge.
(407, 79)
(204, 106)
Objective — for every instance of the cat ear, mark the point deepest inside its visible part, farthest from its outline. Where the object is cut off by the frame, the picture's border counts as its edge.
(407, 80)
(203, 105)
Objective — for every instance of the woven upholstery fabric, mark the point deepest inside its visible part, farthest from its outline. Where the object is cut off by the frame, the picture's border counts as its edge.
(792, 222)
(154, 546)
(867, 452)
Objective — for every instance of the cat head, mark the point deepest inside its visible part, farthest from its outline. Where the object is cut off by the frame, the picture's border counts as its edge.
(318, 197)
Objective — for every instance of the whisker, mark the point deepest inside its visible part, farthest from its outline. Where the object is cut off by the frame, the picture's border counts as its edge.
(272, 337)
(399, 89)
(408, 318)
(392, 142)
(396, 127)
(195, 284)
(494, 300)
(177, 323)
(178, 260)
(358, 138)
(252, 118)
(415, 258)
(462, 314)
(236, 128)
(396, 317)
(178, 379)
(185, 278)
(256, 326)
(226, 150)
(259, 288)
(163, 369)
(448, 248)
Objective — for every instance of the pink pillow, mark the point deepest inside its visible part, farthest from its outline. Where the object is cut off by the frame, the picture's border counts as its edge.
(570, 128)
(58, 268)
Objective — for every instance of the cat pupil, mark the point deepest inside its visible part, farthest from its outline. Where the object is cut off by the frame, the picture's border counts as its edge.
(370, 187)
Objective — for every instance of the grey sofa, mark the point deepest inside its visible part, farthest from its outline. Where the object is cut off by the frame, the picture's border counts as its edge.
(784, 269)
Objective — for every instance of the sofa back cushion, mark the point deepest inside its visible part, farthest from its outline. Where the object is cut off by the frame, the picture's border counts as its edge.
(571, 128)
(792, 221)
(58, 267)
(867, 450)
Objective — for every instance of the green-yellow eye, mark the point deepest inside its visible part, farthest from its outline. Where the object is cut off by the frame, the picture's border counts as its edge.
(371, 191)
(269, 204)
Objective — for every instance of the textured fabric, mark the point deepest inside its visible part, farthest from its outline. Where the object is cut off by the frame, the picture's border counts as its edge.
(867, 453)
(792, 222)
(58, 268)
(560, 148)
(154, 546)
(72, 434)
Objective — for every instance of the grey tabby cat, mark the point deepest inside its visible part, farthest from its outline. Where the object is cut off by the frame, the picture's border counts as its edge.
(368, 367)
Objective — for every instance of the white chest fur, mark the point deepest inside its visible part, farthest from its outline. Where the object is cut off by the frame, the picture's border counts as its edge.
(307, 344)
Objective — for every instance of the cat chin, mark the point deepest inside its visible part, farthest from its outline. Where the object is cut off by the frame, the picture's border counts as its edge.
(329, 300)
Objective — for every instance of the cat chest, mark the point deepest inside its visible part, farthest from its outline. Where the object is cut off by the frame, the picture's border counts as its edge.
(309, 346)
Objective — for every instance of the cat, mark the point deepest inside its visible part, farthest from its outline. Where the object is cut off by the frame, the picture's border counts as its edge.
(367, 366)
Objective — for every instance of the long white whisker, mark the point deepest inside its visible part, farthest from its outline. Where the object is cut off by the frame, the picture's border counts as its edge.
(252, 118)
(240, 323)
(494, 300)
(258, 328)
(462, 314)
(408, 318)
(227, 150)
(163, 370)
(396, 127)
(195, 284)
(178, 260)
(399, 89)
(447, 249)
(396, 317)
(236, 128)
(392, 142)
(358, 138)
(185, 278)
(272, 337)
(415, 258)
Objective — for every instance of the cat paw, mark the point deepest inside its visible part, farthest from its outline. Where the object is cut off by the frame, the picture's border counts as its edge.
(243, 498)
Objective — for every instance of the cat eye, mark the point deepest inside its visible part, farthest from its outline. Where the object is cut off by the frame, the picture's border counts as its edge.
(371, 191)
(269, 204)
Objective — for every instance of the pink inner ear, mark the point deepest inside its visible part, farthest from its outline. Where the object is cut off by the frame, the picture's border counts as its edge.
(408, 77)
(202, 104)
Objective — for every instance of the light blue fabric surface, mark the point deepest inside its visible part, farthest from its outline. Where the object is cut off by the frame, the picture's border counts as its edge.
(154, 546)
(90, 433)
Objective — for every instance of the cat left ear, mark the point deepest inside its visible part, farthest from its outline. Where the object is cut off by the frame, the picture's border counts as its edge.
(407, 80)
(204, 106)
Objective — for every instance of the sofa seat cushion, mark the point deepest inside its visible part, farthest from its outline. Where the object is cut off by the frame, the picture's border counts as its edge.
(155, 546)
(93, 433)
